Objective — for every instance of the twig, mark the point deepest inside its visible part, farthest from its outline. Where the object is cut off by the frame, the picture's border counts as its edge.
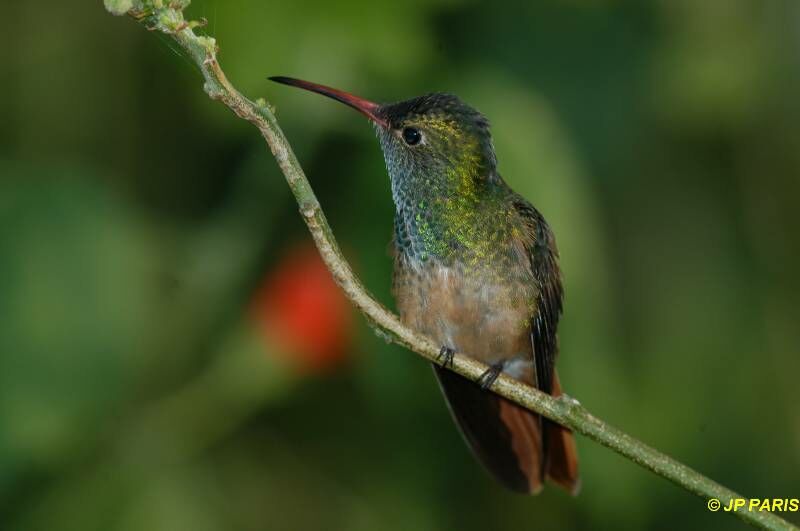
(167, 17)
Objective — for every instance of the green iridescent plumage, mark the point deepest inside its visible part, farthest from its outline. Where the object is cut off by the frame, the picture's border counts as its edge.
(447, 184)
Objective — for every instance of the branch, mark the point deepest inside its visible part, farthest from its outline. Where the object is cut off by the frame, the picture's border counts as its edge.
(167, 17)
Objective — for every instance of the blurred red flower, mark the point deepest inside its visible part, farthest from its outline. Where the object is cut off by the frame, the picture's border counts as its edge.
(302, 311)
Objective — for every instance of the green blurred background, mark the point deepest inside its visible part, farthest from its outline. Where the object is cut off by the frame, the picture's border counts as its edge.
(172, 355)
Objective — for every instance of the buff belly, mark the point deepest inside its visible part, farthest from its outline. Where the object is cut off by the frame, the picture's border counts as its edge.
(480, 315)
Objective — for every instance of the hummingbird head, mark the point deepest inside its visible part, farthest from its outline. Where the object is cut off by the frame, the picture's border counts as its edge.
(439, 137)
(435, 142)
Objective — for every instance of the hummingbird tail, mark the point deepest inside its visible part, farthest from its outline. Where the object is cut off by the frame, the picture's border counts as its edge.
(561, 464)
(506, 438)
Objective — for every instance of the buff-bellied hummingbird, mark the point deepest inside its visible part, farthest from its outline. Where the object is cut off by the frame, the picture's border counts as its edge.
(476, 269)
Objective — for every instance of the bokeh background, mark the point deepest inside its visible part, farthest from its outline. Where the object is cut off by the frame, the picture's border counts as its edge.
(174, 356)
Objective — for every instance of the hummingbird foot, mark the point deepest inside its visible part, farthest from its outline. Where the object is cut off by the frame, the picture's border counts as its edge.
(490, 375)
(446, 354)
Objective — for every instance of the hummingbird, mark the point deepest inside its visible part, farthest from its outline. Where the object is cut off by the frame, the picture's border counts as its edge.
(476, 268)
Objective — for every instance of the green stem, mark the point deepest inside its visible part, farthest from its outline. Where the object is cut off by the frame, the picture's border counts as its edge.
(167, 17)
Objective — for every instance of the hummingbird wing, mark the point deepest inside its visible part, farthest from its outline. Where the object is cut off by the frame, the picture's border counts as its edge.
(540, 248)
(558, 445)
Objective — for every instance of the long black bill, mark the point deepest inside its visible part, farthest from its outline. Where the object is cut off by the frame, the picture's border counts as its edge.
(365, 107)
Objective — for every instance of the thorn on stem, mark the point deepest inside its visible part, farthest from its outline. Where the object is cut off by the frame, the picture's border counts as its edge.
(264, 105)
(198, 23)
(386, 336)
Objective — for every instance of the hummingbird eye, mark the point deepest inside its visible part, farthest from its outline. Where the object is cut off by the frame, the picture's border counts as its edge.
(411, 136)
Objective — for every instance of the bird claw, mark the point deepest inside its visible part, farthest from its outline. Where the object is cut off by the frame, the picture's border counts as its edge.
(490, 375)
(446, 354)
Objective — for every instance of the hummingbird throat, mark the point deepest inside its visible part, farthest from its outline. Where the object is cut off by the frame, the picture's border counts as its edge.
(439, 212)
